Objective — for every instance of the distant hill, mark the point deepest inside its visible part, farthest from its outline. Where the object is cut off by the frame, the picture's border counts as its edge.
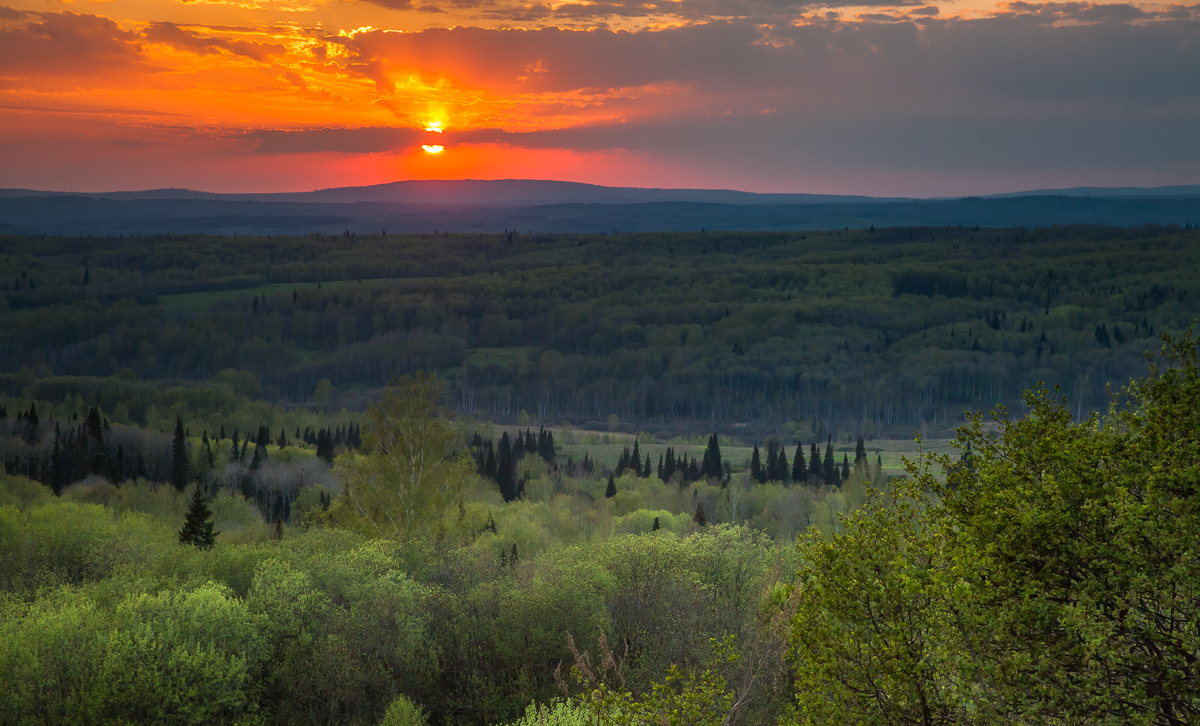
(549, 206)
(503, 192)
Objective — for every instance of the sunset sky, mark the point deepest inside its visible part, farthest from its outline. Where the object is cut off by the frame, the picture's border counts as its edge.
(941, 99)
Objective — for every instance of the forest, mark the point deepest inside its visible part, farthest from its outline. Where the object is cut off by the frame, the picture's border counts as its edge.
(336, 479)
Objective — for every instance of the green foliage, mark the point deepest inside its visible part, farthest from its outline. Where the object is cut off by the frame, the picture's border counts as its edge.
(1049, 578)
(403, 712)
(557, 713)
(412, 468)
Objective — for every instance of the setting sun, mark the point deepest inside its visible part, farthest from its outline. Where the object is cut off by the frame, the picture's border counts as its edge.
(432, 148)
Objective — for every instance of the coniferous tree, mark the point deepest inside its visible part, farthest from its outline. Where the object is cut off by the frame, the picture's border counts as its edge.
(771, 470)
(656, 526)
(699, 517)
(756, 471)
(489, 462)
(660, 468)
(785, 469)
(233, 450)
(830, 468)
(799, 468)
(635, 459)
(712, 458)
(860, 451)
(814, 463)
(845, 467)
(506, 472)
(179, 458)
(197, 525)
(610, 491)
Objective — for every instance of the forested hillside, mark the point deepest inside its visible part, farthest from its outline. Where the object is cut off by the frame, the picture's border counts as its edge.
(855, 332)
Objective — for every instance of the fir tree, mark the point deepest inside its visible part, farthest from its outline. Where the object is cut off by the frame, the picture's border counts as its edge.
(197, 526)
(635, 459)
(699, 517)
(860, 451)
(814, 463)
(845, 467)
(179, 458)
(656, 526)
(611, 490)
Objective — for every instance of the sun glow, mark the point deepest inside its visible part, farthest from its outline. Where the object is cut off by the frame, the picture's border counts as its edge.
(432, 148)
(434, 126)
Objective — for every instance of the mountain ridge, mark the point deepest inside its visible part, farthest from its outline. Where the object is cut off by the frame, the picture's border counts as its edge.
(535, 192)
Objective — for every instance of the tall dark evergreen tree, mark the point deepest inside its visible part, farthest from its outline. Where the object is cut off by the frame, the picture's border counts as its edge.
(830, 468)
(799, 468)
(197, 525)
(635, 459)
(610, 491)
(506, 469)
(699, 517)
(712, 459)
(756, 470)
(845, 467)
(860, 451)
(179, 458)
(814, 464)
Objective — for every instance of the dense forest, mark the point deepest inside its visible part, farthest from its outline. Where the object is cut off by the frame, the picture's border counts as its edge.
(1046, 576)
(335, 479)
(866, 332)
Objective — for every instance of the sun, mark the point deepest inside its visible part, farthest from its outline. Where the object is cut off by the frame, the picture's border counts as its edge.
(432, 148)
(434, 126)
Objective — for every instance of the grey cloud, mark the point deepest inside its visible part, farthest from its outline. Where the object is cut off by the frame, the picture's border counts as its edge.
(364, 140)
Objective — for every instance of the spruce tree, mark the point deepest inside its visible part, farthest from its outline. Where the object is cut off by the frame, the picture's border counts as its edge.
(771, 470)
(197, 526)
(799, 469)
(845, 467)
(635, 459)
(179, 458)
(860, 451)
(646, 469)
(756, 470)
(830, 468)
(712, 458)
(785, 471)
(814, 463)
(699, 516)
(611, 490)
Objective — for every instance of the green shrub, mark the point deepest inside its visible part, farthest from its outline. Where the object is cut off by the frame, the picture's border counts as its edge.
(403, 712)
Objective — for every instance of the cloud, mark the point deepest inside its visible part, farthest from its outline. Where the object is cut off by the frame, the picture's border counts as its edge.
(184, 39)
(343, 140)
(67, 44)
(7, 13)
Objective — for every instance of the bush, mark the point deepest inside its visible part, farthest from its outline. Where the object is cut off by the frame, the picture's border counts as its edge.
(403, 712)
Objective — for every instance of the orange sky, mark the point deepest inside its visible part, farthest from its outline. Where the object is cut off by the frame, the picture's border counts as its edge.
(276, 95)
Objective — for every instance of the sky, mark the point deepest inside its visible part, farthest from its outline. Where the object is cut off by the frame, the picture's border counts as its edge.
(824, 96)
